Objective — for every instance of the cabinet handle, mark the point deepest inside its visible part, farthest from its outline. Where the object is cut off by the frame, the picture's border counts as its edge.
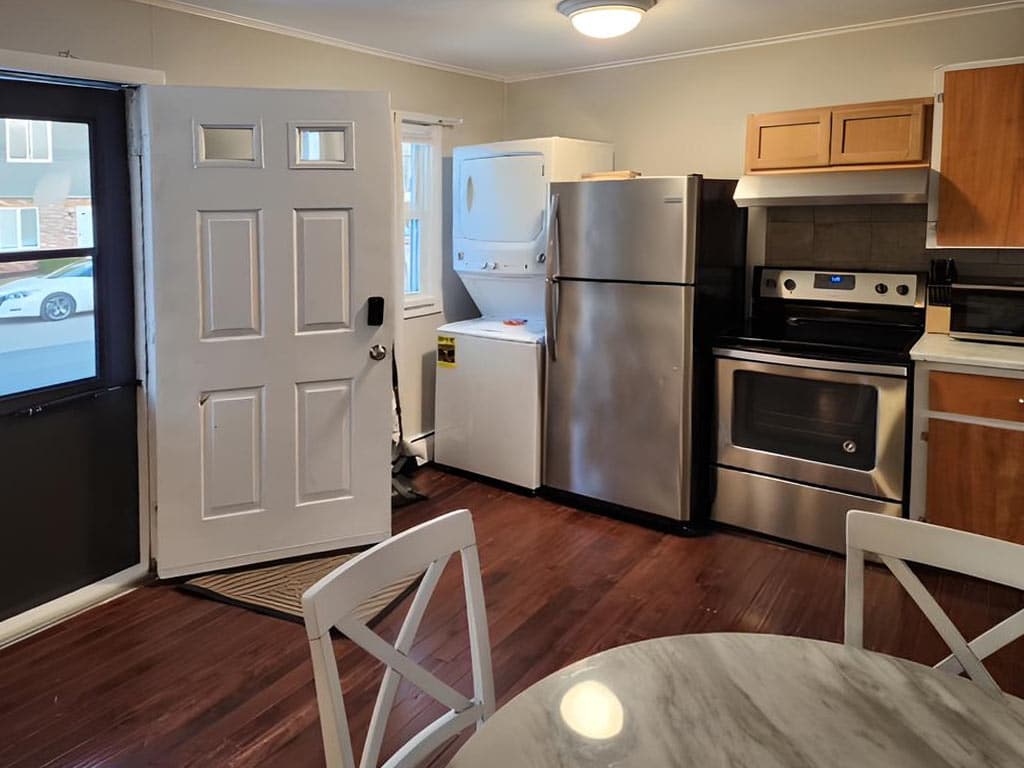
(1020, 400)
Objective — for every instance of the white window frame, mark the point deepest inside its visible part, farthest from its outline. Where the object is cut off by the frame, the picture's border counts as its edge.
(427, 301)
(17, 210)
(28, 141)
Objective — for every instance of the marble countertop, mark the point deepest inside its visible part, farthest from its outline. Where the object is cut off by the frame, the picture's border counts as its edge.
(940, 348)
(749, 701)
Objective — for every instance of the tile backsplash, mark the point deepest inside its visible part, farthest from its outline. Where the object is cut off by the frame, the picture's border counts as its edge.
(879, 237)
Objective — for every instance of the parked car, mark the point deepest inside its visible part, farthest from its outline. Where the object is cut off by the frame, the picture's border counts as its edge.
(56, 296)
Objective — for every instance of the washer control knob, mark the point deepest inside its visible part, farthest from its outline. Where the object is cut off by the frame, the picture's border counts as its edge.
(790, 284)
(882, 288)
(902, 289)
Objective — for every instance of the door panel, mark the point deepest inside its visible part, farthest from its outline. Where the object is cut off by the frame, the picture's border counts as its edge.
(618, 395)
(650, 221)
(974, 479)
(982, 150)
(273, 424)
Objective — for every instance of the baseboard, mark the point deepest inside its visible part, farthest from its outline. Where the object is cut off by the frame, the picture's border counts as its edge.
(46, 615)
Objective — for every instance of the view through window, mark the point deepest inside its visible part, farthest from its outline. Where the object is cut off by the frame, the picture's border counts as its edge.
(47, 328)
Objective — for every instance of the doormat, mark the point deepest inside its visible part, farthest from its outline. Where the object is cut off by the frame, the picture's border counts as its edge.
(276, 590)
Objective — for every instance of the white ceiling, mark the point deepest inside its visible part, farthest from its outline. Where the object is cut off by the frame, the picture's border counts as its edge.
(513, 39)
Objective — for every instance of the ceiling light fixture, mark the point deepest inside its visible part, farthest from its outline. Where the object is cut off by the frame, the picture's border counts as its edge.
(603, 19)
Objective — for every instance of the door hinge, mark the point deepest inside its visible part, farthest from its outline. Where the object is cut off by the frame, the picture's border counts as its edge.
(939, 97)
(924, 436)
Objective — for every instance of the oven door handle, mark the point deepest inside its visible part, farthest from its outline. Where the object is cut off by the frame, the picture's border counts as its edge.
(802, 362)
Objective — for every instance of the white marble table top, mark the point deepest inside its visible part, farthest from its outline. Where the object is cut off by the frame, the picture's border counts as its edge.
(749, 701)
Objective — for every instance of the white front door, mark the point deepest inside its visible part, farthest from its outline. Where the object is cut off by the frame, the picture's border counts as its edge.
(269, 227)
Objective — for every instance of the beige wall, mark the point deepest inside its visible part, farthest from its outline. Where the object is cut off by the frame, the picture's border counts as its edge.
(192, 50)
(688, 115)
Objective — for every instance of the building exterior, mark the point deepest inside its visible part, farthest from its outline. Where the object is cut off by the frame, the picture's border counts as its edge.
(45, 189)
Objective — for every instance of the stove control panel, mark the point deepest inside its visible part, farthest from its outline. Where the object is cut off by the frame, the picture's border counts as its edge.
(898, 290)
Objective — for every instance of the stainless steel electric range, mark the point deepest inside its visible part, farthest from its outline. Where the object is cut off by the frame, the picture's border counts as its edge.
(812, 403)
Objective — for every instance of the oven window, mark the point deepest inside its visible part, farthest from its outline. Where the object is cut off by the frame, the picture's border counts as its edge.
(824, 421)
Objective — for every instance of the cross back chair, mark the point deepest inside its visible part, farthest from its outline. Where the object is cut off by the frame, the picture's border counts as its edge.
(332, 601)
(897, 541)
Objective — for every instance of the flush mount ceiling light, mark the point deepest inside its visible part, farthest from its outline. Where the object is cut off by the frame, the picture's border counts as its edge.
(600, 18)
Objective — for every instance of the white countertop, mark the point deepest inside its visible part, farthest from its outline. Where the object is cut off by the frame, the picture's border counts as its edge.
(940, 348)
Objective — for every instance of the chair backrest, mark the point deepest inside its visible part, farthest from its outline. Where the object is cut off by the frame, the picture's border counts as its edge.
(332, 601)
(897, 541)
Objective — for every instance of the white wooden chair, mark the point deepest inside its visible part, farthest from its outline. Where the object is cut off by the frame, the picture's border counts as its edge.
(897, 541)
(331, 602)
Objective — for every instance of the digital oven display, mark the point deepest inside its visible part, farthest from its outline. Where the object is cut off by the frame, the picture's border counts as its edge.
(835, 282)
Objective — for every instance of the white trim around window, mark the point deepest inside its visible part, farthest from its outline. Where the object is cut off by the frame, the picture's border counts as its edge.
(30, 140)
(421, 221)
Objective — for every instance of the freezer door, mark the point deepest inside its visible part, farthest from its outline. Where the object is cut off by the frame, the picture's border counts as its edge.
(641, 230)
(617, 418)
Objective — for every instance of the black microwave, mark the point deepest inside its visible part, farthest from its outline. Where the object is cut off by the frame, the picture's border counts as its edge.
(989, 311)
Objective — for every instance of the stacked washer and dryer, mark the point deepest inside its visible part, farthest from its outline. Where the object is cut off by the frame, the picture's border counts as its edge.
(490, 370)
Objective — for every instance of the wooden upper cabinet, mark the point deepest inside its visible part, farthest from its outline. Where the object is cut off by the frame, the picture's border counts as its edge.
(879, 133)
(981, 186)
(840, 138)
(788, 139)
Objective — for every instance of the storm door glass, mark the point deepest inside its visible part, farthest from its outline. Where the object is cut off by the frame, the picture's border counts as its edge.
(47, 325)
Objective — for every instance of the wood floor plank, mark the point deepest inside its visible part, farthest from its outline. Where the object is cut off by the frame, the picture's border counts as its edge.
(163, 678)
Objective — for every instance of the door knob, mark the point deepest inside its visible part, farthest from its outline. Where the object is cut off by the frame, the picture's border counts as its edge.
(378, 352)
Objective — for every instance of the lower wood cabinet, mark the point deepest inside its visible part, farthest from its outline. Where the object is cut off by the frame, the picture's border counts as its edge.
(976, 478)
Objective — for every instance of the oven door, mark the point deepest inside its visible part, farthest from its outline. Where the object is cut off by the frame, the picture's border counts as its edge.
(833, 424)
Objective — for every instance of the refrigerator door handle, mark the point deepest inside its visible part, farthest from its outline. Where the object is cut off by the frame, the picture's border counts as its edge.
(551, 282)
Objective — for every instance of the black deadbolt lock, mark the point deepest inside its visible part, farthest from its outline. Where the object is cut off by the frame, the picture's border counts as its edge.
(375, 310)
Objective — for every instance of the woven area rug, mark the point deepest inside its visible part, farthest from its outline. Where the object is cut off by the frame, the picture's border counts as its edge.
(277, 590)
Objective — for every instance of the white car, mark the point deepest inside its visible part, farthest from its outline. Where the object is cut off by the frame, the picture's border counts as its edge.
(56, 296)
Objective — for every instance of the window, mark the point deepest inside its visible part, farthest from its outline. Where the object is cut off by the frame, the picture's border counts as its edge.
(19, 229)
(29, 141)
(421, 235)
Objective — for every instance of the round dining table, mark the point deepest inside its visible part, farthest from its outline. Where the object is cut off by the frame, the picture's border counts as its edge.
(749, 701)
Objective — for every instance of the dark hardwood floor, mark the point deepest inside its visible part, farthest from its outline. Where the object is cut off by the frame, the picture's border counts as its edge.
(163, 678)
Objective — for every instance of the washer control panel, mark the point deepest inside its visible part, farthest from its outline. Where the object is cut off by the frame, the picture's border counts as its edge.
(900, 290)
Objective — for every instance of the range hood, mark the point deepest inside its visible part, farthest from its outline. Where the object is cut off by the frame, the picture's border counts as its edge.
(906, 185)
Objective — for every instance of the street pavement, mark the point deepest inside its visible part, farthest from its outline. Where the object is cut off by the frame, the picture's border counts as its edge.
(35, 353)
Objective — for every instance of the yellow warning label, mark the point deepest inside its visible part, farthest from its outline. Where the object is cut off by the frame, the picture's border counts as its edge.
(446, 351)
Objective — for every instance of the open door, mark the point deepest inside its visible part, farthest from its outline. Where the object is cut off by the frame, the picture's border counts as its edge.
(269, 231)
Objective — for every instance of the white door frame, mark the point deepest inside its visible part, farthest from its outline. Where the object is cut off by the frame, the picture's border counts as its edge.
(49, 613)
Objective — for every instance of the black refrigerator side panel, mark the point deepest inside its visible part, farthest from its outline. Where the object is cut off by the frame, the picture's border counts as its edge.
(718, 307)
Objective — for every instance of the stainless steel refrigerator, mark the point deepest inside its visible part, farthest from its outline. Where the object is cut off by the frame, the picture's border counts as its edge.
(642, 274)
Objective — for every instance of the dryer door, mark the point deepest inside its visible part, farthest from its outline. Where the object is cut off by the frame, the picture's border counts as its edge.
(502, 199)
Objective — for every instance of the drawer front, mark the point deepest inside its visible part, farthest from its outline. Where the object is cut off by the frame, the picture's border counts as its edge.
(989, 397)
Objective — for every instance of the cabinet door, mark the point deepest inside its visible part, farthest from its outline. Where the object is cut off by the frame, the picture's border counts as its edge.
(975, 482)
(982, 171)
(879, 133)
(788, 139)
